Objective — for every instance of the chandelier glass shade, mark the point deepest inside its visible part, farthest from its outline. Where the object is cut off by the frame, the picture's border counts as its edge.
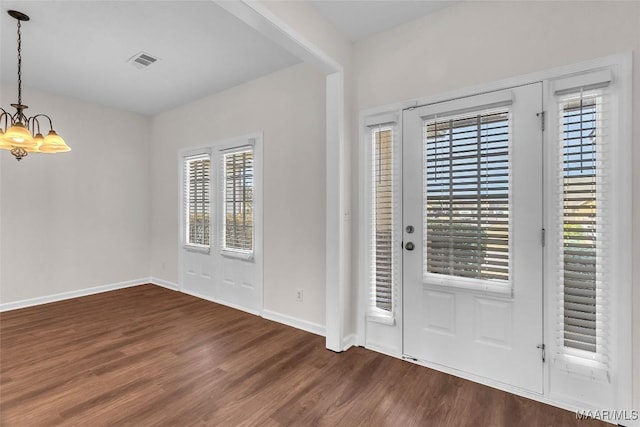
(17, 130)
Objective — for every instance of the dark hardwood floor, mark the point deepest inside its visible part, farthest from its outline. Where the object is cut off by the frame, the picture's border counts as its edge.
(150, 356)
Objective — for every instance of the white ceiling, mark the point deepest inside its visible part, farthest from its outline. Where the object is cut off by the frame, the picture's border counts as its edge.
(358, 19)
(80, 48)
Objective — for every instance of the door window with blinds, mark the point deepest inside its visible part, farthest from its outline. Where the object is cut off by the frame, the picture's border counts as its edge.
(583, 135)
(238, 200)
(383, 244)
(197, 206)
(466, 172)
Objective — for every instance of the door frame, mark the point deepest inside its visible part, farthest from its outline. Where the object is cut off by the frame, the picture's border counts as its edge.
(623, 300)
(258, 257)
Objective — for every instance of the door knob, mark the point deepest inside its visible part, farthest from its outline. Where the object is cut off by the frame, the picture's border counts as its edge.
(409, 246)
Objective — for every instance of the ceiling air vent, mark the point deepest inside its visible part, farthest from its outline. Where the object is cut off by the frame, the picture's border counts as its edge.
(142, 60)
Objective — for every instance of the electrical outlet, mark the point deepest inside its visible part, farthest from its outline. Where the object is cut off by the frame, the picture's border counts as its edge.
(299, 295)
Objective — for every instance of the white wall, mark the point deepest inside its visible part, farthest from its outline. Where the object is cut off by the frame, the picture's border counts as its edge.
(317, 42)
(288, 106)
(479, 42)
(75, 220)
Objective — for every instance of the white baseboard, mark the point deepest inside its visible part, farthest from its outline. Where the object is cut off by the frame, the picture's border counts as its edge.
(305, 325)
(165, 283)
(15, 305)
(267, 314)
(348, 342)
(217, 301)
(295, 322)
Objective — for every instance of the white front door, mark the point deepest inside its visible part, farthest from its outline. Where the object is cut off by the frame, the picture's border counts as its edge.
(472, 235)
(221, 223)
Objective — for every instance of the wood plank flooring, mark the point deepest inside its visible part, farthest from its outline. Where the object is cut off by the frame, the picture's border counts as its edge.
(148, 356)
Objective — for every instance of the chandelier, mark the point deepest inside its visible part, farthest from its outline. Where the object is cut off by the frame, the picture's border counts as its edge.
(18, 137)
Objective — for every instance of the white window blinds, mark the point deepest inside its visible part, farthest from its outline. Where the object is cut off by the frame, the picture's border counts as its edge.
(383, 248)
(197, 184)
(582, 199)
(238, 200)
(467, 207)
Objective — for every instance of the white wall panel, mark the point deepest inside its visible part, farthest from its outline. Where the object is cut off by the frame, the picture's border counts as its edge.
(288, 107)
(76, 220)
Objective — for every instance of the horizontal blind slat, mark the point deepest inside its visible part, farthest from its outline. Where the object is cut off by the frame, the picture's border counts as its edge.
(581, 131)
(196, 200)
(466, 188)
(238, 188)
(382, 217)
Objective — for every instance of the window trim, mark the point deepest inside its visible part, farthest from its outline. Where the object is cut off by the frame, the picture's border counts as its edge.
(555, 384)
(569, 365)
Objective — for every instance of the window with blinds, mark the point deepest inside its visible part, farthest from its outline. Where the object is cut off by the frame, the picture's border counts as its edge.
(381, 235)
(466, 211)
(582, 132)
(197, 182)
(238, 200)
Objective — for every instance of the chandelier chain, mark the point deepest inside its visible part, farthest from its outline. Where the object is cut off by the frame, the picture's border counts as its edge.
(19, 64)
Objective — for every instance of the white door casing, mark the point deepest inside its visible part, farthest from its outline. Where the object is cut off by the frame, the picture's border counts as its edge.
(574, 385)
(468, 325)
